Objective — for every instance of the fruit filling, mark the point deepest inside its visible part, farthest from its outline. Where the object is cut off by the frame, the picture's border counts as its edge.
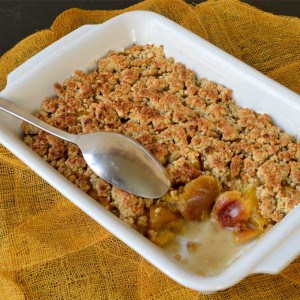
(203, 198)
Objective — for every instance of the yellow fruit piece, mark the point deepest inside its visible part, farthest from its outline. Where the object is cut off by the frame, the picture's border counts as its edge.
(198, 197)
(163, 224)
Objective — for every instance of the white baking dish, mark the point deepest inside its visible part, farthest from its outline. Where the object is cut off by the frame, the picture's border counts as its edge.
(81, 49)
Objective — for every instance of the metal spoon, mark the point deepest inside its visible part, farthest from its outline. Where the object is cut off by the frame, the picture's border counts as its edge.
(117, 159)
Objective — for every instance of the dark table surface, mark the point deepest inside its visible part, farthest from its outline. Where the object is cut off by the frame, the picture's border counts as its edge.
(20, 18)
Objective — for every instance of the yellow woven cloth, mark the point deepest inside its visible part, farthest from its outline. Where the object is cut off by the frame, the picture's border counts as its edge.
(49, 249)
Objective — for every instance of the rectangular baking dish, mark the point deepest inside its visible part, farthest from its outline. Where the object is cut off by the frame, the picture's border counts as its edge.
(32, 81)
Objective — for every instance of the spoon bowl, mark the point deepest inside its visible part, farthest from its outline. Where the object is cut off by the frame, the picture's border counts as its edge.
(119, 160)
(125, 163)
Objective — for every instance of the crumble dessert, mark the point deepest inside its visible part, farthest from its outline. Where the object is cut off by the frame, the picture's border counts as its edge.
(225, 162)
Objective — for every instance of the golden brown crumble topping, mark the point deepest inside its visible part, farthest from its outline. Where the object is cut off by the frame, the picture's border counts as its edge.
(191, 125)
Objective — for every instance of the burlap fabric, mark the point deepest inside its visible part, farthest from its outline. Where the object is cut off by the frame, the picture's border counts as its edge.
(49, 249)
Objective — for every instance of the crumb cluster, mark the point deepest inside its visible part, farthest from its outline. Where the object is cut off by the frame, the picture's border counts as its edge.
(191, 125)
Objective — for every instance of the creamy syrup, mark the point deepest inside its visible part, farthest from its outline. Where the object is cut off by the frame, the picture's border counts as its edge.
(204, 247)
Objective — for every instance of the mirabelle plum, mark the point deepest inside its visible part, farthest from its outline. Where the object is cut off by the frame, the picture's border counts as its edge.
(246, 234)
(229, 209)
(251, 203)
(198, 197)
(163, 224)
(160, 216)
(240, 211)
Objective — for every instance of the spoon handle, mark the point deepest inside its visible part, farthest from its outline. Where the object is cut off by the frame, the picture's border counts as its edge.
(16, 111)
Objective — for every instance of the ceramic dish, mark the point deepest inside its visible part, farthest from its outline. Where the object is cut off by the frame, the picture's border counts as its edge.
(81, 49)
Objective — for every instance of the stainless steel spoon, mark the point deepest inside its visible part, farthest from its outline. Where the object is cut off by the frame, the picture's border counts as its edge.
(117, 159)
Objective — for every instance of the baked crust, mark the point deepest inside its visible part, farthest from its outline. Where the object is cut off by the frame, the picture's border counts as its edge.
(191, 125)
